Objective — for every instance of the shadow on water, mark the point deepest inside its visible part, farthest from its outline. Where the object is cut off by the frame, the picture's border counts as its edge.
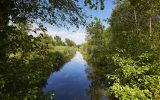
(75, 81)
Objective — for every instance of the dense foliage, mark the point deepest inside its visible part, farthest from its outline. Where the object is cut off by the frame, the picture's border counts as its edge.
(58, 41)
(70, 42)
(27, 67)
(27, 60)
(128, 49)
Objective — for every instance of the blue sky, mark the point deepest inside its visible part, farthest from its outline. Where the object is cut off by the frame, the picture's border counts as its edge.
(78, 35)
(102, 14)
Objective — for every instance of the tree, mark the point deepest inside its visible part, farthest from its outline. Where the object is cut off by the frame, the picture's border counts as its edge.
(97, 40)
(51, 11)
(55, 12)
(130, 49)
(21, 54)
(70, 42)
(132, 27)
(46, 40)
(58, 40)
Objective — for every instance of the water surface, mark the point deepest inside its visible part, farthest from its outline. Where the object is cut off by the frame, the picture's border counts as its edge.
(71, 81)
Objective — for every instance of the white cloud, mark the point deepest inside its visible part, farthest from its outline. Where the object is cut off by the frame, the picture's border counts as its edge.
(77, 36)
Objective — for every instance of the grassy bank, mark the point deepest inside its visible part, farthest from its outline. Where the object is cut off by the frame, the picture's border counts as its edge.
(27, 73)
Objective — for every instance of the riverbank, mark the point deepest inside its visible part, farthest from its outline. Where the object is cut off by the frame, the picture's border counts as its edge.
(26, 79)
(99, 89)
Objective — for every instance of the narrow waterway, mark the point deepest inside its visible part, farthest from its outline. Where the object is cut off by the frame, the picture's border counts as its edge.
(71, 81)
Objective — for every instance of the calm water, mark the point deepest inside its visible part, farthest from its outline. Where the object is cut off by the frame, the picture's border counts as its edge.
(72, 82)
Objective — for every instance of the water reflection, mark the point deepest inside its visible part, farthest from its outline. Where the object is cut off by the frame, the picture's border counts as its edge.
(75, 81)
(98, 85)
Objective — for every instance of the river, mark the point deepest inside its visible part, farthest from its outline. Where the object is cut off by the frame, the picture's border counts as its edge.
(72, 82)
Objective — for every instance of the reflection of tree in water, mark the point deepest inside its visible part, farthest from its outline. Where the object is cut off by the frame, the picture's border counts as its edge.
(98, 83)
(98, 86)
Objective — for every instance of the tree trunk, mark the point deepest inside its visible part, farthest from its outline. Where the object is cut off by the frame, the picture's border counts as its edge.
(136, 21)
(150, 27)
(135, 17)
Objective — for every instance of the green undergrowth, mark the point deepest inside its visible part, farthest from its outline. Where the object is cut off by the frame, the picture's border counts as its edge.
(26, 74)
